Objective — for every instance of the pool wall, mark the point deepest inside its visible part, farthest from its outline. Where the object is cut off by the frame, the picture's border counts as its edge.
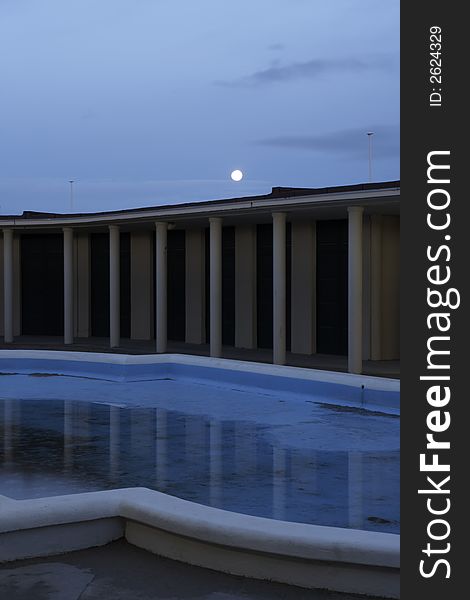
(359, 390)
(310, 556)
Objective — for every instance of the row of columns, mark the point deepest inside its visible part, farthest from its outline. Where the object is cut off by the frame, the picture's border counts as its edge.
(355, 216)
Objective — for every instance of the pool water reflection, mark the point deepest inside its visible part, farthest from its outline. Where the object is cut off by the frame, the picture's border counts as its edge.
(52, 447)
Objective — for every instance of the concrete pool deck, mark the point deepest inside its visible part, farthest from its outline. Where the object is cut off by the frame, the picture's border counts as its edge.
(308, 556)
(123, 572)
(377, 368)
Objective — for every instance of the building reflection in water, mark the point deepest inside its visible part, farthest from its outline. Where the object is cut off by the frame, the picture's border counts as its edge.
(279, 483)
(114, 442)
(83, 423)
(68, 435)
(215, 463)
(194, 460)
(355, 489)
(245, 448)
(8, 417)
(236, 465)
(161, 443)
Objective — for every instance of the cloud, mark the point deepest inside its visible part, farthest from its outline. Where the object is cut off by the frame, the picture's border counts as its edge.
(311, 69)
(352, 143)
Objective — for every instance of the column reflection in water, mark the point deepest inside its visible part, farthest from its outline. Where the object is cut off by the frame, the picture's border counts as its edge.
(68, 434)
(312, 475)
(8, 419)
(195, 447)
(215, 463)
(279, 483)
(303, 470)
(355, 489)
(83, 422)
(161, 435)
(245, 448)
(114, 442)
(142, 458)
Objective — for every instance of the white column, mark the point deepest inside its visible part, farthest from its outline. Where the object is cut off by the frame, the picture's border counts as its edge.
(114, 287)
(68, 285)
(215, 286)
(355, 289)
(195, 287)
(8, 284)
(279, 288)
(245, 286)
(161, 287)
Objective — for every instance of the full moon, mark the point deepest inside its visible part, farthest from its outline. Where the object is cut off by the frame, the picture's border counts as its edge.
(236, 175)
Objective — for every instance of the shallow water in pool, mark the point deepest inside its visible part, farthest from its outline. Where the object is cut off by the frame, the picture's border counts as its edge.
(302, 460)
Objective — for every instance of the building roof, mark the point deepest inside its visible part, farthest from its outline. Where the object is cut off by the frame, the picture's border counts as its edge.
(280, 198)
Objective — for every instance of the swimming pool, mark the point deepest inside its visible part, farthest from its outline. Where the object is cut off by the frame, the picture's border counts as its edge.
(300, 447)
(324, 453)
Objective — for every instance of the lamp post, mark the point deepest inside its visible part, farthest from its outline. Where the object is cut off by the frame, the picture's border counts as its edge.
(71, 181)
(369, 135)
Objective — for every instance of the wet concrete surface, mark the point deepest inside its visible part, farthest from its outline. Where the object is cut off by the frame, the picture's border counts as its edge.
(120, 571)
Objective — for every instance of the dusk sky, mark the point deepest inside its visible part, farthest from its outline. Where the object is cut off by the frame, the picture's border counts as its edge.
(146, 102)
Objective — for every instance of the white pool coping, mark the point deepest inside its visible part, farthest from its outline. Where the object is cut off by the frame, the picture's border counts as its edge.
(350, 379)
(311, 556)
(205, 523)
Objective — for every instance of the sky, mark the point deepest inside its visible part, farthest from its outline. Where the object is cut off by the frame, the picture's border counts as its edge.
(149, 102)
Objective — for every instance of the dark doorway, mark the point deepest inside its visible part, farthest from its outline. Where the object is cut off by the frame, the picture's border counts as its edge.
(42, 285)
(264, 287)
(99, 278)
(228, 286)
(99, 284)
(125, 280)
(176, 290)
(332, 287)
(288, 283)
(207, 286)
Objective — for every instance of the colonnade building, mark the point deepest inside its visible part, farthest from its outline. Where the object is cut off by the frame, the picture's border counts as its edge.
(298, 270)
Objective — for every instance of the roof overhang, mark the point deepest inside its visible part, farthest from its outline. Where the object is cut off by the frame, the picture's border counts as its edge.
(255, 209)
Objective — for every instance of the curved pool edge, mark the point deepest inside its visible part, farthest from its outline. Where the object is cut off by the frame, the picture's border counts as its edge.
(310, 556)
(360, 390)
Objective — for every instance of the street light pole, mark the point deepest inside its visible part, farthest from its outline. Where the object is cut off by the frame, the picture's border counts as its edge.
(71, 194)
(369, 135)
